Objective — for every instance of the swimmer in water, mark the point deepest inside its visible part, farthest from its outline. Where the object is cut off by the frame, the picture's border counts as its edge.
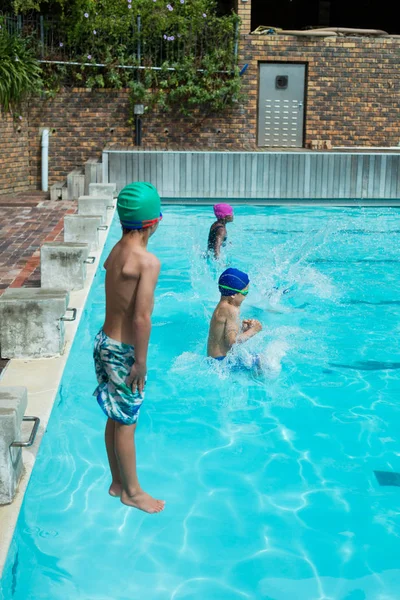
(225, 327)
(217, 236)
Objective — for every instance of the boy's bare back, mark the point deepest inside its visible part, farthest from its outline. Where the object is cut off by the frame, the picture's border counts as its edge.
(131, 278)
(224, 328)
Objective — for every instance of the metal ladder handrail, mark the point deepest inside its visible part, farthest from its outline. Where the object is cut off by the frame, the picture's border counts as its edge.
(32, 437)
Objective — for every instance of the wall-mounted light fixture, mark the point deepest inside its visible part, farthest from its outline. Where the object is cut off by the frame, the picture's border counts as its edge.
(138, 110)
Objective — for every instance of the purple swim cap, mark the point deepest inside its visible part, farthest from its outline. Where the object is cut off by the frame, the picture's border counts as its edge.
(223, 210)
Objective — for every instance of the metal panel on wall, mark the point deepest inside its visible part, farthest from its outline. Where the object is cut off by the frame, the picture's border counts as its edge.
(281, 105)
(278, 175)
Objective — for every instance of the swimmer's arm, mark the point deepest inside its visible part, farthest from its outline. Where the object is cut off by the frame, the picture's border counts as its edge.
(219, 238)
(244, 336)
(144, 304)
(233, 336)
(252, 327)
(231, 330)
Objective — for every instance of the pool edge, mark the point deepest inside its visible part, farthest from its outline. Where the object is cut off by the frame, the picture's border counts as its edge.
(289, 202)
(42, 379)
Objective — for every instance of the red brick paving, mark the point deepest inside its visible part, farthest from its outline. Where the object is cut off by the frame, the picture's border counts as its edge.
(27, 220)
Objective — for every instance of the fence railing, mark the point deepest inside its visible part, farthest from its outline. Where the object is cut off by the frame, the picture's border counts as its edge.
(48, 37)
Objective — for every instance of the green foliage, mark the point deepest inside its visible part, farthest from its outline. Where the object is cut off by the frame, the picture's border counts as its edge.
(186, 53)
(20, 73)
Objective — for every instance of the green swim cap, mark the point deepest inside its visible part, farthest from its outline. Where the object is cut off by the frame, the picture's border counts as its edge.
(139, 206)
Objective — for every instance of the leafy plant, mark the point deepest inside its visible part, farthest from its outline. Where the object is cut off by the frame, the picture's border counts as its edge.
(20, 73)
(172, 54)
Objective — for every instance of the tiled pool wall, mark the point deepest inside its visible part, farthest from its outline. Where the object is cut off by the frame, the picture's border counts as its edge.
(259, 175)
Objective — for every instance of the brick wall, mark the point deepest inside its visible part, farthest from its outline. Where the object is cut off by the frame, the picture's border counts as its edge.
(352, 100)
(83, 122)
(14, 154)
(353, 88)
(243, 9)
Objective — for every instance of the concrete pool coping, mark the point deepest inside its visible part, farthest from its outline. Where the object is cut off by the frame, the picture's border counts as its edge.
(323, 203)
(42, 378)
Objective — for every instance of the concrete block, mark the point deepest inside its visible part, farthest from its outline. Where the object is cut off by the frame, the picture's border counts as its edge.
(56, 191)
(90, 173)
(30, 322)
(94, 205)
(99, 172)
(13, 403)
(62, 265)
(76, 184)
(83, 229)
(108, 190)
(64, 192)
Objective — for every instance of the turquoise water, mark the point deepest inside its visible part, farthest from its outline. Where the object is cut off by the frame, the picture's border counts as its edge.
(269, 480)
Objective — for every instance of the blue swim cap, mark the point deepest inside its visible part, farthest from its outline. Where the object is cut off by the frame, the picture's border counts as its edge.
(234, 279)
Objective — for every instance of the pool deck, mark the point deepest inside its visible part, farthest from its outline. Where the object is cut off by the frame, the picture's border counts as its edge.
(41, 377)
(28, 220)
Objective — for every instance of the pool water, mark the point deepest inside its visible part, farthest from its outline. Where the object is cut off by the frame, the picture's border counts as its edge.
(268, 479)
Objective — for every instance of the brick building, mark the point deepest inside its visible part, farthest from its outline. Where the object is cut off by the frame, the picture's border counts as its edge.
(346, 94)
(348, 86)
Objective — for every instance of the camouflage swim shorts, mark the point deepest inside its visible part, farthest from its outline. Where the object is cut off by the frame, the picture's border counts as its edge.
(113, 362)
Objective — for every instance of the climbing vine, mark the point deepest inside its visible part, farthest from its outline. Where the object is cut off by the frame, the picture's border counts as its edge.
(172, 54)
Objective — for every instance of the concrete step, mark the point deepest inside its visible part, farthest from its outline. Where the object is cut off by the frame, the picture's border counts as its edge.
(31, 323)
(93, 173)
(94, 205)
(56, 191)
(99, 169)
(76, 184)
(83, 229)
(64, 191)
(63, 265)
(107, 190)
(13, 403)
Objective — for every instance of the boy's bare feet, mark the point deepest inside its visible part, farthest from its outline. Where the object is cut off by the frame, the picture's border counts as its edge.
(115, 489)
(143, 501)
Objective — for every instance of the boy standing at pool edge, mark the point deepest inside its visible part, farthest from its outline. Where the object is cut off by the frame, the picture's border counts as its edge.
(120, 351)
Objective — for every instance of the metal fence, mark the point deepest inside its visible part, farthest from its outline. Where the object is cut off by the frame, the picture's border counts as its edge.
(329, 176)
(48, 37)
(43, 32)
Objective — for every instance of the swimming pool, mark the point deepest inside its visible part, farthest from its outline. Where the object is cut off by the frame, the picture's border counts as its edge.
(269, 481)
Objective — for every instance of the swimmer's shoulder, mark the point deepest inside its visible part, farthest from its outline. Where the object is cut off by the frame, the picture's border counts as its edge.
(220, 230)
(136, 263)
(149, 262)
(121, 261)
(131, 263)
(225, 312)
(217, 227)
